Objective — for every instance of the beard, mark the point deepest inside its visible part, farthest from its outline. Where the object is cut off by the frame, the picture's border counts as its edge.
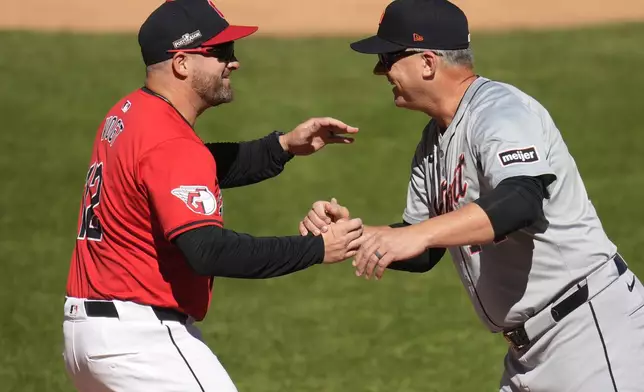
(211, 89)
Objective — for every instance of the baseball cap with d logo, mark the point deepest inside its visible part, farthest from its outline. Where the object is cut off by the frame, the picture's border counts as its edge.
(424, 24)
(186, 25)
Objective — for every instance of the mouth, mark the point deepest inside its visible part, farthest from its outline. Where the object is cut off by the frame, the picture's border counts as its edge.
(394, 87)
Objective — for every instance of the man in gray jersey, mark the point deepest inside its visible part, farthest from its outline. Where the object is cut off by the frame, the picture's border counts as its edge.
(493, 182)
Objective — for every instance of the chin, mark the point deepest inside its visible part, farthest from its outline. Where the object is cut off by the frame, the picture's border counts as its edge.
(401, 103)
(223, 96)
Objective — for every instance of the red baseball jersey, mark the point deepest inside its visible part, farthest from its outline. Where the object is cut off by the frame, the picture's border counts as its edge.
(150, 179)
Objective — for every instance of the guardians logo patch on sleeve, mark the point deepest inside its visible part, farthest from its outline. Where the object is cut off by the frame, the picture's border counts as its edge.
(198, 198)
(523, 155)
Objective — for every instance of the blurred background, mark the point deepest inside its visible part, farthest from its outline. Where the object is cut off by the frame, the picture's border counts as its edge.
(63, 65)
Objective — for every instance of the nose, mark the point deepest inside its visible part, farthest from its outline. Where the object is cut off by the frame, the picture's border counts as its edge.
(233, 65)
(379, 69)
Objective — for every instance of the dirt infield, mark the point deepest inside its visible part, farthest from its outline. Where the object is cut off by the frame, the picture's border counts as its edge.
(308, 17)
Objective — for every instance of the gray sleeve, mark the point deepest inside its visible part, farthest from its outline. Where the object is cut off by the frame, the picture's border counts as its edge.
(417, 209)
(509, 142)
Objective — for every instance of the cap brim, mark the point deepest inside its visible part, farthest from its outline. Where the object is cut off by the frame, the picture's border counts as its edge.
(231, 33)
(376, 45)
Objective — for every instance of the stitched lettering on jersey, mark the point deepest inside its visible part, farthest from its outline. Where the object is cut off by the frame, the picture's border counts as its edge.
(198, 198)
(451, 193)
(112, 129)
(521, 155)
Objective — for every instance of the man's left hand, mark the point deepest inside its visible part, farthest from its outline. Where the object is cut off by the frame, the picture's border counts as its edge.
(387, 246)
(314, 134)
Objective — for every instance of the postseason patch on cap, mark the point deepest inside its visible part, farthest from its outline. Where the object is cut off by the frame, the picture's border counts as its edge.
(522, 155)
(187, 39)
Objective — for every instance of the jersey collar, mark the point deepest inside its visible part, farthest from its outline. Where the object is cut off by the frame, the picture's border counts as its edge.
(155, 94)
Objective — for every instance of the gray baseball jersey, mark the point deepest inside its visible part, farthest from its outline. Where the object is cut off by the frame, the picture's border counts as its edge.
(500, 132)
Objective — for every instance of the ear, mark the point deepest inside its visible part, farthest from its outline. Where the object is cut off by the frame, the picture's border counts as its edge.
(180, 65)
(430, 64)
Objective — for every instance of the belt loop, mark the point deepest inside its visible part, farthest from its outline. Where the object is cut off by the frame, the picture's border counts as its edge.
(130, 311)
(620, 263)
(517, 338)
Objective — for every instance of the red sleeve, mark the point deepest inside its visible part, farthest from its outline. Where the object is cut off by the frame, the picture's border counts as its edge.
(180, 177)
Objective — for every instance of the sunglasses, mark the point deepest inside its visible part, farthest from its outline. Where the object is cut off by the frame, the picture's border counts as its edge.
(388, 59)
(223, 52)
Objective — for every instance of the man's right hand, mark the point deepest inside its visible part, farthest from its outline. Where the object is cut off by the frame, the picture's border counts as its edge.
(321, 215)
(342, 240)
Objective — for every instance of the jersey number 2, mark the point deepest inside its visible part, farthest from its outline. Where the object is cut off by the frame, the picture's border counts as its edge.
(90, 227)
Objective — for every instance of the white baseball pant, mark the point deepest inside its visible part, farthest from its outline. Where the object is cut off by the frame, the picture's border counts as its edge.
(138, 352)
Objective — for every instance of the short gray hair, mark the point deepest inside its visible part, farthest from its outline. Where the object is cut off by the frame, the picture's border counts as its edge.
(156, 67)
(462, 57)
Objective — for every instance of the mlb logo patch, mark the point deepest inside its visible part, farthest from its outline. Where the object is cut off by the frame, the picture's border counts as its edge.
(126, 106)
(522, 155)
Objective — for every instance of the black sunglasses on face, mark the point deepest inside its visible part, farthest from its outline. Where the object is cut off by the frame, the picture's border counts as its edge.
(388, 59)
(223, 52)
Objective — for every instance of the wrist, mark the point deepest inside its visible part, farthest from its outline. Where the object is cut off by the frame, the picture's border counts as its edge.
(278, 146)
(426, 235)
(374, 229)
(319, 249)
(369, 230)
(283, 139)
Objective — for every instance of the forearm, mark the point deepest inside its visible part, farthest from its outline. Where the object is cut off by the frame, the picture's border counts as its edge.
(469, 225)
(370, 230)
(419, 264)
(514, 204)
(246, 163)
(213, 251)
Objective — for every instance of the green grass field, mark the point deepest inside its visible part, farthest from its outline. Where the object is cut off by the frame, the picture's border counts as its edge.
(321, 329)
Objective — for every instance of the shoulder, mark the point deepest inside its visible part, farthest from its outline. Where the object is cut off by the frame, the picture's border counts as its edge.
(178, 149)
(153, 123)
(498, 98)
(501, 105)
(151, 113)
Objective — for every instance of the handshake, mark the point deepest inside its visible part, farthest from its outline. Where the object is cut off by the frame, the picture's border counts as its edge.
(373, 248)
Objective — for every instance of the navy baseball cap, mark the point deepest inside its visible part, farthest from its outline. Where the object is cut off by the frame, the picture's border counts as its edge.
(185, 24)
(424, 24)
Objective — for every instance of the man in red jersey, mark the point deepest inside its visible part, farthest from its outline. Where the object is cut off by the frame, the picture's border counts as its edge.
(150, 232)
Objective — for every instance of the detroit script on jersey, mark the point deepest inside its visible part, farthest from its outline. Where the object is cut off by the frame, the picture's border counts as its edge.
(500, 132)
